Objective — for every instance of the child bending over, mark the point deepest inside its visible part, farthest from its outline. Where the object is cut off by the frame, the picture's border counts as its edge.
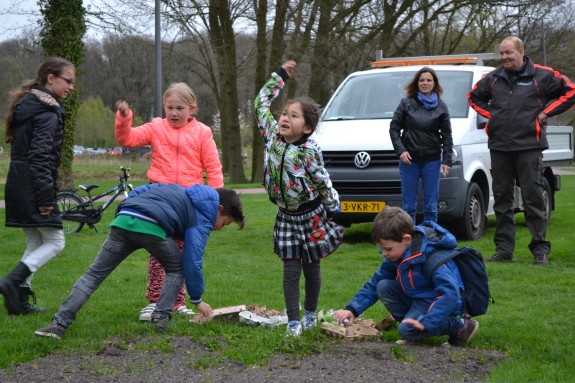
(152, 218)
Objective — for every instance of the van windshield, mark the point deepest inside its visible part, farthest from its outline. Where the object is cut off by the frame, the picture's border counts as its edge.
(377, 95)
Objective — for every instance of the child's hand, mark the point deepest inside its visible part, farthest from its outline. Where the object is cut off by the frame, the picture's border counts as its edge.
(342, 315)
(46, 210)
(415, 323)
(204, 308)
(122, 107)
(289, 67)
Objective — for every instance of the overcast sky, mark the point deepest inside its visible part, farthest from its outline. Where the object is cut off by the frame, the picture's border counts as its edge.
(15, 17)
(20, 16)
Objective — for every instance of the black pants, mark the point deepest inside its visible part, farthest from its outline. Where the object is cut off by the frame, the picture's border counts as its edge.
(312, 274)
(525, 167)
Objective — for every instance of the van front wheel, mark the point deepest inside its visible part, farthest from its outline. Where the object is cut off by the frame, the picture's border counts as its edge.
(473, 222)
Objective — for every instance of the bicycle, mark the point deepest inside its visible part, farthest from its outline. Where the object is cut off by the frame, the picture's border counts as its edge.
(76, 211)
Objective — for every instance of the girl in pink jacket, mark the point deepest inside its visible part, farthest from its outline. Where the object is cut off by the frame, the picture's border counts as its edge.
(183, 149)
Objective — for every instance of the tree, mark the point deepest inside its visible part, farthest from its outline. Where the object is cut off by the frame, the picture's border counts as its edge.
(128, 73)
(63, 28)
(11, 76)
(222, 38)
(19, 58)
(208, 25)
(95, 126)
(261, 10)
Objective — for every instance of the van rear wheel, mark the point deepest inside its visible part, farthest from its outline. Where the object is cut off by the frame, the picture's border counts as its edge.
(547, 198)
(474, 221)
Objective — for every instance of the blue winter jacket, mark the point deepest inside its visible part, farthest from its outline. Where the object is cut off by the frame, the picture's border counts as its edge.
(184, 213)
(442, 291)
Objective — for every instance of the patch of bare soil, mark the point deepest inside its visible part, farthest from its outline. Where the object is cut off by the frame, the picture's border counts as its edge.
(367, 361)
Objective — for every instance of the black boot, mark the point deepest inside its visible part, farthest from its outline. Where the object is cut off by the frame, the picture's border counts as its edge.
(10, 288)
(27, 307)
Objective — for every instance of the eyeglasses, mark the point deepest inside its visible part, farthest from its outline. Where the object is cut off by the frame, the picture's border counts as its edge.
(68, 80)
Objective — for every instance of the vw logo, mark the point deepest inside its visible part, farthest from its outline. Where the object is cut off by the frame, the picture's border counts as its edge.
(362, 160)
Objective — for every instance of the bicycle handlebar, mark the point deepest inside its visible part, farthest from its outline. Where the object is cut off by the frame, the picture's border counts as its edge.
(126, 174)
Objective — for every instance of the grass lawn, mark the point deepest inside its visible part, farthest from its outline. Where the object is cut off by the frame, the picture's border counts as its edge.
(530, 320)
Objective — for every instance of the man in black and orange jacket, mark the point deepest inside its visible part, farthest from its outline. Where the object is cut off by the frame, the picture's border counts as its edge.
(517, 98)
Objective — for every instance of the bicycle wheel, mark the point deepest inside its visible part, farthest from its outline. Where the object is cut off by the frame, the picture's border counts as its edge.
(67, 201)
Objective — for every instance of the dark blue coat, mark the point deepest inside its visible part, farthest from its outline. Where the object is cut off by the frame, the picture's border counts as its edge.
(442, 290)
(184, 213)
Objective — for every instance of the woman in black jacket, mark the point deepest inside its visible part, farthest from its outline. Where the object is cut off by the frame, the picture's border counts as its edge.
(35, 129)
(421, 135)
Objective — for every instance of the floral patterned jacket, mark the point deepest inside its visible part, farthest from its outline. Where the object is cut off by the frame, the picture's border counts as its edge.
(293, 173)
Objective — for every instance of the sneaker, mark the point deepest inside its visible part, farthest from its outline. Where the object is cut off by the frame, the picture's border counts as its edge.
(161, 323)
(183, 310)
(309, 320)
(146, 313)
(403, 342)
(294, 328)
(499, 258)
(467, 332)
(541, 260)
(53, 330)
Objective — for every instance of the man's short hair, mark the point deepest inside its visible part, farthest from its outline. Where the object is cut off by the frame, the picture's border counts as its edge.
(391, 224)
(516, 42)
(232, 205)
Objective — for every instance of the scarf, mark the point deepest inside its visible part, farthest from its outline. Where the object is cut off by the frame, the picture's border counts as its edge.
(428, 102)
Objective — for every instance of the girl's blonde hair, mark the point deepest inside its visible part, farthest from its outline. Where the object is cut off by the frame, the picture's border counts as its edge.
(183, 91)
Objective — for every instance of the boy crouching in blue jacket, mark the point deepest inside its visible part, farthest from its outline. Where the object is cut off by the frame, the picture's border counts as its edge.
(424, 307)
(151, 218)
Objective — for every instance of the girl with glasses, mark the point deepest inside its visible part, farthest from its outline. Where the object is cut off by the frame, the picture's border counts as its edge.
(35, 130)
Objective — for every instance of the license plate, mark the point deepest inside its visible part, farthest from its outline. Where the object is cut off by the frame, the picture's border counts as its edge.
(361, 206)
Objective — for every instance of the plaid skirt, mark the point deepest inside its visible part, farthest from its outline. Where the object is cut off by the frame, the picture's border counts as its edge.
(307, 235)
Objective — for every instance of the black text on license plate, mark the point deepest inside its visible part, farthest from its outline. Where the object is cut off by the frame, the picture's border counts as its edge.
(362, 206)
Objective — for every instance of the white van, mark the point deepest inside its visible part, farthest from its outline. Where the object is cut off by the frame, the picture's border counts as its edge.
(354, 137)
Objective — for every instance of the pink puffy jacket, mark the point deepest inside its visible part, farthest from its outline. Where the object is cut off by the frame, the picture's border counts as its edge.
(179, 155)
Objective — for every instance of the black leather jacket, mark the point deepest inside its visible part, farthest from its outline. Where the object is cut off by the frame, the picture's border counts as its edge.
(425, 134)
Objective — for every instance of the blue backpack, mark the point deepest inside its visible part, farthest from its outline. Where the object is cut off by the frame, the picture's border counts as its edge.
(476, 296)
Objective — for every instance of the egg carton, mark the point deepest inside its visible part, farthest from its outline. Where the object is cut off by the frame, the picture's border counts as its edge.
(253, 319)
(223, 313)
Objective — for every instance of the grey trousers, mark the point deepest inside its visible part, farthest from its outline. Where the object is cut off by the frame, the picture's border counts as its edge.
(119, 244)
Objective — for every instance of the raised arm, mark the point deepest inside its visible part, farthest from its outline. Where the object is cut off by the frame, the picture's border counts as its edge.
(125, 134)
(266, 123)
